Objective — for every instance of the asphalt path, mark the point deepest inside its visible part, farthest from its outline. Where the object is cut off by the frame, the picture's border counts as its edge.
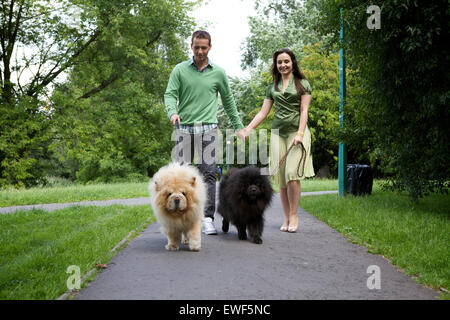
(104, 203)
(315, 263)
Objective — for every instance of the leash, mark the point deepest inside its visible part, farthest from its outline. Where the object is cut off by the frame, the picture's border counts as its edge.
(283, 160)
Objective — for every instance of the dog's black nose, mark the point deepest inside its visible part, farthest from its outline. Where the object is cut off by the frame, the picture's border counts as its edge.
(252, 189)
(177, 202)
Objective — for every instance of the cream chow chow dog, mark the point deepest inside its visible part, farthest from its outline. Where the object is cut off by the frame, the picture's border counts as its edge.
(178, 196)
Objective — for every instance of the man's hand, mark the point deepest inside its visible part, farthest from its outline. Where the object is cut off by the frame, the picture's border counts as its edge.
(174, 118)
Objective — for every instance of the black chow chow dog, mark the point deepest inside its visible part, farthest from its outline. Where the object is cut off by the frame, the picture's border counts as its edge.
(244, 194)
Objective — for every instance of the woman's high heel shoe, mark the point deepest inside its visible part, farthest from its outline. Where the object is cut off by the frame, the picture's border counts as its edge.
(292, 229)
(284, 228)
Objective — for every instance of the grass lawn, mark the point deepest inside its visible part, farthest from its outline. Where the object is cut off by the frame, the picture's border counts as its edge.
(75, 193)
(37, 247)
(72, 193)
(414, 237)
(314, 184)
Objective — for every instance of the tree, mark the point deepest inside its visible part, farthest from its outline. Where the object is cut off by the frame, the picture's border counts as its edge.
(49, 39)
(23, 137)
(278, 24)
(403, 68)
(117, 129)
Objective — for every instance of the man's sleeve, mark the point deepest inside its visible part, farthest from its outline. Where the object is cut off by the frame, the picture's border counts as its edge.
(172, 92)
(228, 103)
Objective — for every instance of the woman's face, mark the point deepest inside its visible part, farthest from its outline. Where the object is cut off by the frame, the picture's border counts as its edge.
(284, 63)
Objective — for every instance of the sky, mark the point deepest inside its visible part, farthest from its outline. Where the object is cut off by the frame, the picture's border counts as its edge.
(228, 27)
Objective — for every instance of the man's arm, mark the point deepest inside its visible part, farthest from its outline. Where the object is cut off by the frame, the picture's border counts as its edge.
(172, 92)
(229, 104)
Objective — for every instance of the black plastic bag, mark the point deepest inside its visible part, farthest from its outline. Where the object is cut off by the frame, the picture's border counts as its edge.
(359, 179)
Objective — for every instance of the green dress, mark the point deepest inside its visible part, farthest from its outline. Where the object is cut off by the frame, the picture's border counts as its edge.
(286, 120)
(287, 106)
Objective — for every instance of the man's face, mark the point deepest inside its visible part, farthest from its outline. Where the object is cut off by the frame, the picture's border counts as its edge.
(200, 47)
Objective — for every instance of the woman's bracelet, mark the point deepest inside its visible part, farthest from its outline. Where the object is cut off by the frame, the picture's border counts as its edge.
(301, 134)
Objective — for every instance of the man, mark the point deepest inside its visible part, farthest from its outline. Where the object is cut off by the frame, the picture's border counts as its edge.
(191, 100)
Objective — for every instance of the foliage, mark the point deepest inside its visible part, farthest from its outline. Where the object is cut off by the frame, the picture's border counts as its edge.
(116, 135)
(320, 69)
(278, 24)
(404, 95)
(107, 63)
(22, 143)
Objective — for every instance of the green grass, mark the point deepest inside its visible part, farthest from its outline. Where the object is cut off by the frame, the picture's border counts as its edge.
(414, 237)
(73, 193)
(313, 184)
(309, 185)
(37, 247)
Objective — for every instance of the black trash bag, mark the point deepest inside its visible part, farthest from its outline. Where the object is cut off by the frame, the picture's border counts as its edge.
(359, 179)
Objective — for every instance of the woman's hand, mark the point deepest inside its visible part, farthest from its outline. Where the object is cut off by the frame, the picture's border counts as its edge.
(297, 140)
(243, 134)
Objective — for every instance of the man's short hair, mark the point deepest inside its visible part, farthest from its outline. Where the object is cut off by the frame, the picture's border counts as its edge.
(201, 34)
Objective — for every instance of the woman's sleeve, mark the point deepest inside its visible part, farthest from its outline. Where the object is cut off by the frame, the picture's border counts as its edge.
(306, 86)
(269, 95)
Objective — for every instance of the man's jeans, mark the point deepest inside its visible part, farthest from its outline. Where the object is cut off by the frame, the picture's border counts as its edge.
(205, 146)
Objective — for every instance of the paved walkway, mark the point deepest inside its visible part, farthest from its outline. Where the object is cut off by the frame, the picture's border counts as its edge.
(315, 263)
(104, 203)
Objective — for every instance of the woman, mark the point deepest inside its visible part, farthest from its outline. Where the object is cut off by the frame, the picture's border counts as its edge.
(290, 92)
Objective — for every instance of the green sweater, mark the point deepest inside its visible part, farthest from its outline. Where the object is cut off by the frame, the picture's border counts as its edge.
(193, 95)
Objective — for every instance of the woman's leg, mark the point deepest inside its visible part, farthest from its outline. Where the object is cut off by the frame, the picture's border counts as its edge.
(293, 182)
(293, 195)
(286, 207)
(277, 151)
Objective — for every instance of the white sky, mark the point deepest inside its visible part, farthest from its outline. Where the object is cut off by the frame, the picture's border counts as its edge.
(226, 21)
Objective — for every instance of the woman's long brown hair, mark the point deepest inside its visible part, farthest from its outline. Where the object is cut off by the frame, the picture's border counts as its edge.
(298, 74)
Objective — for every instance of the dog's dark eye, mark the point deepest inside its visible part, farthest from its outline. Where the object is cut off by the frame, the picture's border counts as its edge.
(169, 194)
(184, 193)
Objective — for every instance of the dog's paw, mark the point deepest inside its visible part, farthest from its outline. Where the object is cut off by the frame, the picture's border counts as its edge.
(242, 236)
(172, 247)
(195, 245)
(225, 226)
(257, 240)
(195, 248)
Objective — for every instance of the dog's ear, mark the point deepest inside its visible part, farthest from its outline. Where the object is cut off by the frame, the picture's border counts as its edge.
(194, 181)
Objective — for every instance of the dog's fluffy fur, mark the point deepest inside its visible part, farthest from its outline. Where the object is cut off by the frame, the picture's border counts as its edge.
(244, 194)
(178, 196)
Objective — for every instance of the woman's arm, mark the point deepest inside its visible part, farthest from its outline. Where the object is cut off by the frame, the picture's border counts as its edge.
(304, 106)
(260, 117)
